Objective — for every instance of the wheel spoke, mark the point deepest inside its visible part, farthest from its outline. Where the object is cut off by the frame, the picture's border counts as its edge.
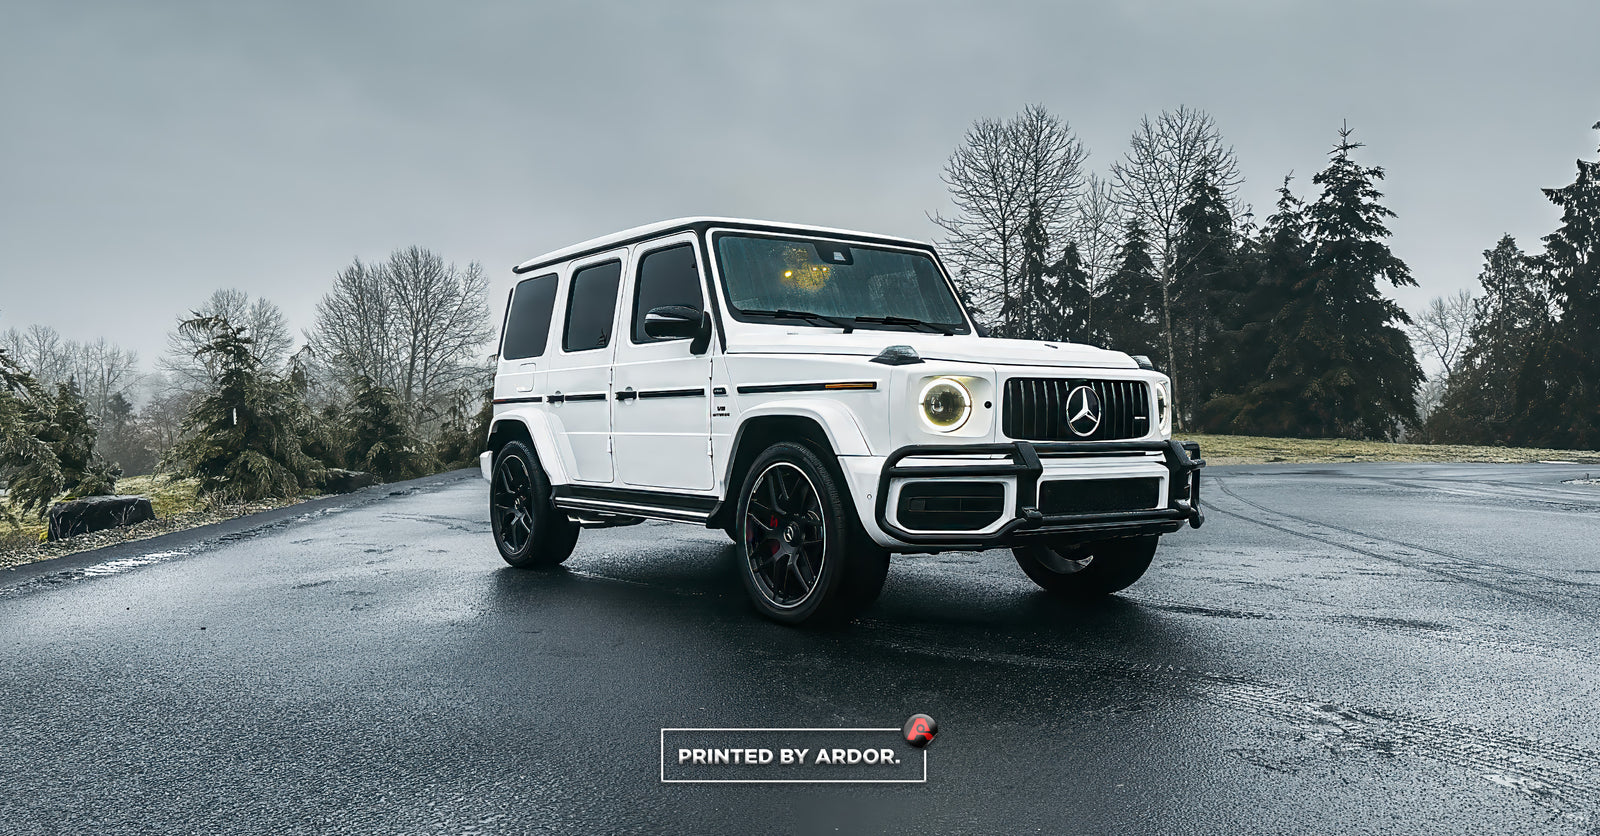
(805, 498)
(772, 494)
(803, 573)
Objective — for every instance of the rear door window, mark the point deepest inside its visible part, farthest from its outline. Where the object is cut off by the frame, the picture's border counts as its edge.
(592, 306)
(528, 318)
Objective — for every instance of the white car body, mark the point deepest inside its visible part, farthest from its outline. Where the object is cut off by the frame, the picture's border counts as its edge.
(655, 430)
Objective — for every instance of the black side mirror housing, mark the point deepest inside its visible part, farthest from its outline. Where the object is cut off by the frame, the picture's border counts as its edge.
(680, 322)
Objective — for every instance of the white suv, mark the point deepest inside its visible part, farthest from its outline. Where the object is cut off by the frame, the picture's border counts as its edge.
(823, 397)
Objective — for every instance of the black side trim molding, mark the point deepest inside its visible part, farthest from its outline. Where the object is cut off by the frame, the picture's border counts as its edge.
(672, 393)
(587, 396)
(769, 388)
(530, 399)
(628, 496)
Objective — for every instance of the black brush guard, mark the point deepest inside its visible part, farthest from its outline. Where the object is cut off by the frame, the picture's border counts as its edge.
(1024, 461)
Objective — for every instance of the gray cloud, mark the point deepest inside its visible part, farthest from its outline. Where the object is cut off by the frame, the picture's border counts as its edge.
(154, 152)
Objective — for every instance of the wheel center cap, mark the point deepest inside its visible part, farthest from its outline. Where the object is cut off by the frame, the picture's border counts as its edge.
(791, 533)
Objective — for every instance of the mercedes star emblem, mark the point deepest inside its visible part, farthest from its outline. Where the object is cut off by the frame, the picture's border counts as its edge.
(1083, 411)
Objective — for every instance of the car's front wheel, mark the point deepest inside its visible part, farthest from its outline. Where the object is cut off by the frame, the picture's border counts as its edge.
(1087, 570)
(803, 557)
(530, 531)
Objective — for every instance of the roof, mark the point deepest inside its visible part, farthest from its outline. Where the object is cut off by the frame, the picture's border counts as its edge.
(641, 233)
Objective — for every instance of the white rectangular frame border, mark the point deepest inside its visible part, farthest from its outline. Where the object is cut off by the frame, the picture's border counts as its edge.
(666, 780)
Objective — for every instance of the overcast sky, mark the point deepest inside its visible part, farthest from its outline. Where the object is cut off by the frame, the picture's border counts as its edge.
(153, 152)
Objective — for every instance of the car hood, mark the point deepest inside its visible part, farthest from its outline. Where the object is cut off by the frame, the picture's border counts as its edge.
(960, 348)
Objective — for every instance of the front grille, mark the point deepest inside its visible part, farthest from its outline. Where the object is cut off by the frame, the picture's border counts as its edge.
(1035, 409)
(1098, 496)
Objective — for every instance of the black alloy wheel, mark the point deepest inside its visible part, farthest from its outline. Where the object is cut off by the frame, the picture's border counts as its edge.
(528, 529)
(1087, 570)
(785, 538)
(805, 559)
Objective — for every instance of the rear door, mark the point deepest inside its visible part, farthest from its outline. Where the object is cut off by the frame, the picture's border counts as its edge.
(578, 379)
(661, 407)
(525, 338)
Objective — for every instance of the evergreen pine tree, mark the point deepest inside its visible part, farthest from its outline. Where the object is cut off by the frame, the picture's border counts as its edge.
(464, 430)
(120, 440)
(1340, 359)
(1037, 307)
(32, 472)
(47, 442)
(1565, 409)
(380, 442)
(1075, 296)
(242, 437)
(1269, 266)
(1203, 289)
(1130, 302)
(1512, 322)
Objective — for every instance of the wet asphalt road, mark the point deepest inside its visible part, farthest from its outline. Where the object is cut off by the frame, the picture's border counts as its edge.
(1342, 649)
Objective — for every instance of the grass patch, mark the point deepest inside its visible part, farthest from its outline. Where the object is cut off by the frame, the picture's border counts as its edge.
(1246, 449)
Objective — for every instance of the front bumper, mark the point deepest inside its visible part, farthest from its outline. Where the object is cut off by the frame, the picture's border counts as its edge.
(1025, 462)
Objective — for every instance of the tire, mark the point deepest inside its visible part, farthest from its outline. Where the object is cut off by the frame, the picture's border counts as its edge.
(733, 532)
(804, 558)
(529, 530)
(1087, 570)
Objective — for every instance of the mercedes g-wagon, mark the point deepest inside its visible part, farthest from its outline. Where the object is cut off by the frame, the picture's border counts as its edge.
(824, 398)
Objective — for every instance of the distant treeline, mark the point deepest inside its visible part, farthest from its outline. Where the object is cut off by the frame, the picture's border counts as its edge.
(1276, 328)
(391, 379)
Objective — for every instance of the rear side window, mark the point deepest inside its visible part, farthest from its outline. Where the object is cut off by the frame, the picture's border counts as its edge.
(528, 318)
(591, 306)
(666, 277)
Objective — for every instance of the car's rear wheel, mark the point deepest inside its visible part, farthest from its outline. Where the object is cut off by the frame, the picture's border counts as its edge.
(1087, 570)
(804, 557)
(530, 531)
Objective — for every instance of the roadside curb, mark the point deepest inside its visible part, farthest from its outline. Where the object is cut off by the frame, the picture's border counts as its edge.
(190, 539)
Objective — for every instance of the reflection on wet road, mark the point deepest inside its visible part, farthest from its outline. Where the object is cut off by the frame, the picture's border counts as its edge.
(1352, 648)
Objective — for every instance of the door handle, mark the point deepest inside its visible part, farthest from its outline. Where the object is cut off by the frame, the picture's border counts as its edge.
(557, 398)
(627, 394)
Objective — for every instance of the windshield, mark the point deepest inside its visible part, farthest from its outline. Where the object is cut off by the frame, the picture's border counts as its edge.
(835, 280)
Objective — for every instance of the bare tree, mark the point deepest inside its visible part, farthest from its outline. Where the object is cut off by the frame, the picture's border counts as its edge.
(999, 174)
(262, 320)
(101, 369)
(104, 370)
(1443, 330)
(1097, 230)
(1152, 182)
(42, 351)
(414, 324)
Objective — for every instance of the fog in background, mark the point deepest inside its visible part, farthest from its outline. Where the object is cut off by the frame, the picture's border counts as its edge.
(154, 152)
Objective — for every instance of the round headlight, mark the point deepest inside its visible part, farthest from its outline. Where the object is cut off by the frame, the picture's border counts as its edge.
(1164, 408)
(945, 404)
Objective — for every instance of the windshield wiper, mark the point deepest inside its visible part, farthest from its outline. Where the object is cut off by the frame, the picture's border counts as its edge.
(808, 316)
(933, 327)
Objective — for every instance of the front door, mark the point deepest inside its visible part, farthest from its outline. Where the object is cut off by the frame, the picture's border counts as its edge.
(661, 407)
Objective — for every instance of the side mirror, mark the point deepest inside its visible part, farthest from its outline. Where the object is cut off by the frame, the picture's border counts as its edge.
(672, 322)
(679, 322)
